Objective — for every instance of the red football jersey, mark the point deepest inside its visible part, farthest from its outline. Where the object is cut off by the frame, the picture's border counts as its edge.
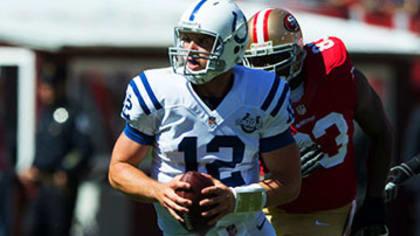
(325, 115)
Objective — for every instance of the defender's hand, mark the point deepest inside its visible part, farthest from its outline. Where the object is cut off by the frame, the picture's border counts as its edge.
(400, 174)
(170, 200)
(391, 191)
(220, 201)
(310, 158)
(397, 175)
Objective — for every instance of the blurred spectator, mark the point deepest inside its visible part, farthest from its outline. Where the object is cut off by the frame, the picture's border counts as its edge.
(410, 148)
(8, 145)
(63, 150)
(5, 167)
(4, 186)
(396, 14)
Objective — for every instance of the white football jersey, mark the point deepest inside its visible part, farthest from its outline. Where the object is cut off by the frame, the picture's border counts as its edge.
(162, 109)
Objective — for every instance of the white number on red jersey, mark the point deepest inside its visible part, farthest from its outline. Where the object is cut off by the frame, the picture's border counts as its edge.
(322, 45)
(341, 140)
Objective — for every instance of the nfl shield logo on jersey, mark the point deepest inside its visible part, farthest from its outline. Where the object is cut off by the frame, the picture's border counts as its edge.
(231, 230)
(212, 121)
(249, 124)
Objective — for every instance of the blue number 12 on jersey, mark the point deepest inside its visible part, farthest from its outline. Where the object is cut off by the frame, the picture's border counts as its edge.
(188, 145)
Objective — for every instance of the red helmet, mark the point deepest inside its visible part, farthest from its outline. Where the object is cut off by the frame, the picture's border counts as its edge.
(275, 43)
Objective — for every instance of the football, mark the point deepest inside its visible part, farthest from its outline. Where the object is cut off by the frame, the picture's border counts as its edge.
(193, 221)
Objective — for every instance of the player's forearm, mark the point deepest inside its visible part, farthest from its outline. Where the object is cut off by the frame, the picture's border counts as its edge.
(285, 179)
(267, 193)
(281, 190)
(132, 181)
(379, 163)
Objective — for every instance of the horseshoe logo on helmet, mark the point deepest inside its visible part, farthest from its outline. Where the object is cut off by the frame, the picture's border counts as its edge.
(243, 32)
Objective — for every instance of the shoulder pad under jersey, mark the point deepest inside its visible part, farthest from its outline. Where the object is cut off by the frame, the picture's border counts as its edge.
(145, 95)
(271, 94)
(262, 88)
(332, 51)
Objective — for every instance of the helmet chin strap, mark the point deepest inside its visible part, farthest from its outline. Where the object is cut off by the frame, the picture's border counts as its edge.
(202, 78)
(220, 67)
(293, 79)
(296, 70)
(296, 81)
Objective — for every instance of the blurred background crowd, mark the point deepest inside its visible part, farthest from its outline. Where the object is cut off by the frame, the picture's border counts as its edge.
(88, 52)
(399, 14)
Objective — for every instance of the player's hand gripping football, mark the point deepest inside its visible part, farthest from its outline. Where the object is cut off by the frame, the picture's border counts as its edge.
(167, 197)
(310, 157)
(220, 201)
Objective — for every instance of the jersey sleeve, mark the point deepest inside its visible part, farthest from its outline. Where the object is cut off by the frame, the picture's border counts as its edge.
(339, 70)
(140, 110)
(279, 112)
(326, 55)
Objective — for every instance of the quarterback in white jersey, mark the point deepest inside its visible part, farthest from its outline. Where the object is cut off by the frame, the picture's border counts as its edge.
(208, 115)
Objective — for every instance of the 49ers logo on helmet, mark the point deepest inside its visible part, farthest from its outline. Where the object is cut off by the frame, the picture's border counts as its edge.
(290, 23)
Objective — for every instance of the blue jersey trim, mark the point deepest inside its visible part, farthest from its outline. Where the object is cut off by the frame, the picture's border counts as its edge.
(280, 101)
(139, 97)
(138, 136)
(272, 143)
(150, 91)
(196, 8)
(271, 94)
(291, 112)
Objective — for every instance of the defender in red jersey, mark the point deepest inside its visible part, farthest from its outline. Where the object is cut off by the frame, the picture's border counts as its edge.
(328, 94)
